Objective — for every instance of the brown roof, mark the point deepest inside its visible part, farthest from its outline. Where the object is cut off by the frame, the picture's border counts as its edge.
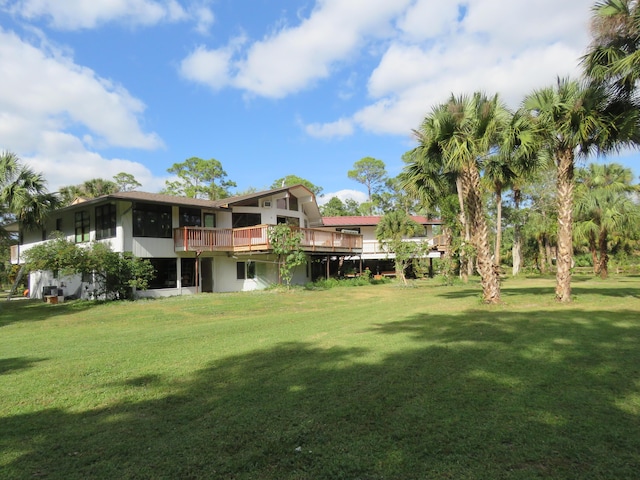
(371, 220)
(146, 197)
(311, 210)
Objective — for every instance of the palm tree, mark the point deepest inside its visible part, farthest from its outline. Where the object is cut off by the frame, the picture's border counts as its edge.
(498, 173)
(459, 135)
(614, 54)
(519, 159)
(573, 121)
(604, 208)
(392, 228)
(23, 194)
(426, 178)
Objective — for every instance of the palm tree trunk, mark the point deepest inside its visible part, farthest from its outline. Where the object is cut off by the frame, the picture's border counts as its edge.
(604, 256)
(565, 219)
(480, 235)
(516, 250)
(542, 257)
(464, 260)
(496, 253)
(594, 254)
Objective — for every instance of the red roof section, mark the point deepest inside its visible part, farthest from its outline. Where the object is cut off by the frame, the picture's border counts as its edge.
(372, 220)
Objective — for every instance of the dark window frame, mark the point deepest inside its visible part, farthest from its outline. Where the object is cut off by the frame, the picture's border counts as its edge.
(152, 220)
(82, 226)
(106, 221)
(190, 217)
(246, 270)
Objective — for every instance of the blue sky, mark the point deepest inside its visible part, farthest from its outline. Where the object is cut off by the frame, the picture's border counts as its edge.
(90, 88)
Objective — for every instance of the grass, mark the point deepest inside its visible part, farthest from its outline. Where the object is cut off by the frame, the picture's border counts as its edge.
(371, 382)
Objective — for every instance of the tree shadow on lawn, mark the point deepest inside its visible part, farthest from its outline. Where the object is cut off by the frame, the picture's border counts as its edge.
(479, 395)
(11, 365)
(37, 311)
(598, 289)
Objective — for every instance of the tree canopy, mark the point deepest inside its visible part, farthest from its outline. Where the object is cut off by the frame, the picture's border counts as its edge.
(370, 172)
(23, 194)
(198, 178)
(291, 180)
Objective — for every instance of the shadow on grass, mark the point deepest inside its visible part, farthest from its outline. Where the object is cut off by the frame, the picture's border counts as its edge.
(580, 286)
(37, 311)
(479, 395)
(10, 365)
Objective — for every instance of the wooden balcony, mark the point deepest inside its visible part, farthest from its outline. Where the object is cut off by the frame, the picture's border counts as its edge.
(256, 239)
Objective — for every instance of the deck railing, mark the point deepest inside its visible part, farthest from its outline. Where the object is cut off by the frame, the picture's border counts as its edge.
(193, 239)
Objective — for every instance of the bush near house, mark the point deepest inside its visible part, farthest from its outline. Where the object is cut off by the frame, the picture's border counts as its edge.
(116, 274)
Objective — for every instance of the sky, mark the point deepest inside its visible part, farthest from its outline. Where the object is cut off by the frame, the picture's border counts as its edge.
(91, 88)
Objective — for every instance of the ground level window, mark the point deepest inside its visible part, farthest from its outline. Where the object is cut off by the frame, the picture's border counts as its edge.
(245, 270)
(188, 272)
(166, 273)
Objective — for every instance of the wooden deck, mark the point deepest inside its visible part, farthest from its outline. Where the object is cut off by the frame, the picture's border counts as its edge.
(250, 239)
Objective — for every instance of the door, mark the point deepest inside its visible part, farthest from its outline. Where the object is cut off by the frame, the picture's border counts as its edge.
(206, 273)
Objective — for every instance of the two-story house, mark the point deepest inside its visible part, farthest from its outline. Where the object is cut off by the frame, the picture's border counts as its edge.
(194, 245)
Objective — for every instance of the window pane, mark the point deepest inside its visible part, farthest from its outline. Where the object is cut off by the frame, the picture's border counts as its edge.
(152, 220)
(251, 269)
(246, 219)
(190, 217)
(82, 227)
(105, 221)
(210, 220)
(188, 272)
(240, 270)
(166, 271)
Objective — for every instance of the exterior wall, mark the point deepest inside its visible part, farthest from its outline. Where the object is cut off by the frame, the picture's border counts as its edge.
(225, 271)
(270, 214)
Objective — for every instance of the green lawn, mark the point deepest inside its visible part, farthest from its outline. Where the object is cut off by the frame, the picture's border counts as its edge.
(374, 382)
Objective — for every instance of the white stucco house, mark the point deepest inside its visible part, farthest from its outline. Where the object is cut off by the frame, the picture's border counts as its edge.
(194, 245)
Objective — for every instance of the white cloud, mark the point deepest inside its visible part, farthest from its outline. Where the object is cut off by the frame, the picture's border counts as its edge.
(339, 128)
(71, 164)
(53, 112)
(428, 19)
(209, 67)
(87, 14)
(56, 93)
(425, 50)
(343, 195)
(293, 58)
(488, 49)
(204, 18)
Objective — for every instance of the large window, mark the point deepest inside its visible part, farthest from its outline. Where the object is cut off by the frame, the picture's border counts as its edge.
(246, 219)
(105, 221)
(190, 217)
(245, 270)
(291, 221)
(151, 220)
(82, 227)
(166, 273)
